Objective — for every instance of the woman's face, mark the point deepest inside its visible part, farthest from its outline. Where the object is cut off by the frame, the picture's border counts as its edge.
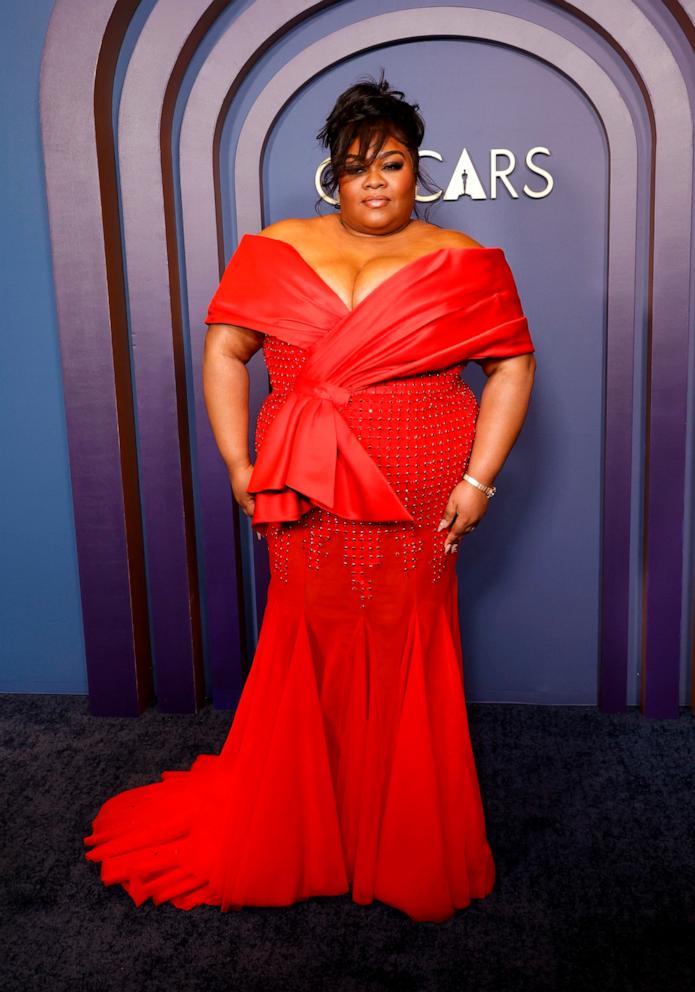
(378, 199)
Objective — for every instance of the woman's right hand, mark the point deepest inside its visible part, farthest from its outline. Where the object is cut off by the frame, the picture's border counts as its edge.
(239, 478)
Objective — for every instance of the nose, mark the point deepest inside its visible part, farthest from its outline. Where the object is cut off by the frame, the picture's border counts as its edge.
(373, 178)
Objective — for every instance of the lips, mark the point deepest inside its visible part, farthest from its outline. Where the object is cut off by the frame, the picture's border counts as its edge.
(376, 201)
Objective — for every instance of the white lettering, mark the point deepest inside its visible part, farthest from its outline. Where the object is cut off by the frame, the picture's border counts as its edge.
(465, 180)
(497, 173)
(541, 172)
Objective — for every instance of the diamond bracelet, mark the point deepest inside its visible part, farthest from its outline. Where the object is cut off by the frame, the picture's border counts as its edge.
(488, 490)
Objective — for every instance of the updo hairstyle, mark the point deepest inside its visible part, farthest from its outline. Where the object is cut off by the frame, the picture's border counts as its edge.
(371, 111)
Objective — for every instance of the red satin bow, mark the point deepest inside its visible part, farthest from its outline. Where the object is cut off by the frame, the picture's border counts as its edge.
(326, 390)
(310, 457)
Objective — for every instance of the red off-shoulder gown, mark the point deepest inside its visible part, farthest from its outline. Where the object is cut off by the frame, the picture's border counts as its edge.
(348, 765)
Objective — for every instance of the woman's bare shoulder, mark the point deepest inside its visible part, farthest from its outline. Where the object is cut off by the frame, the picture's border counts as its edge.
(442, 237)
(292, 229)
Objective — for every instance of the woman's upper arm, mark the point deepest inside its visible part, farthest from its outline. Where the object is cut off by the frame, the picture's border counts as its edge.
(490, 365)
(233, 341)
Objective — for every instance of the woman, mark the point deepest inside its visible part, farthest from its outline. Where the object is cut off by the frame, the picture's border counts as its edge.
(348, 765)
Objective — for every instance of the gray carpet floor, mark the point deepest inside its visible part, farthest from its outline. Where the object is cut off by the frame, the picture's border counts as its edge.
(591, 819)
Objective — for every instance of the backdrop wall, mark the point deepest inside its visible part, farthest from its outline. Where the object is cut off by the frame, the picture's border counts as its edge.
(41, 639)
(169, 130)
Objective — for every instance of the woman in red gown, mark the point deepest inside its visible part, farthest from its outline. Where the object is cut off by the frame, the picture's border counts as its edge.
(348, 766)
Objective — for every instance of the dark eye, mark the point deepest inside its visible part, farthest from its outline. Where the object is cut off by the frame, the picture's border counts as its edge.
(395, 166)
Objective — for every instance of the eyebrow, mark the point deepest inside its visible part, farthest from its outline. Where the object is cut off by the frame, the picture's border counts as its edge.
(392, 151)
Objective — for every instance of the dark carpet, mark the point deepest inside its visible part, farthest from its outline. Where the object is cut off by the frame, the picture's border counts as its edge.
(591, 819)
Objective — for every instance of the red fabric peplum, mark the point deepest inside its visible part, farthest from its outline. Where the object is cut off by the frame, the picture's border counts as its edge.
(348, 766)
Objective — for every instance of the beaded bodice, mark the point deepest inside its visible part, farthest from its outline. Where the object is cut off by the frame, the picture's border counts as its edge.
(419, 431)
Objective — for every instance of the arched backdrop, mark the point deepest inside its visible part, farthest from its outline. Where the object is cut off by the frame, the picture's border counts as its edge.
(170, 128)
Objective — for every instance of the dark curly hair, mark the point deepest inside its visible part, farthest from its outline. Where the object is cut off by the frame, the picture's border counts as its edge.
(371, 111)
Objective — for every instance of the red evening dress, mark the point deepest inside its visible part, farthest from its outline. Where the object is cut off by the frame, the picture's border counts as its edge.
(348, 765)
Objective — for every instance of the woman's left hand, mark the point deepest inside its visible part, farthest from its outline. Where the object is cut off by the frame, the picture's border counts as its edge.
(465, 509)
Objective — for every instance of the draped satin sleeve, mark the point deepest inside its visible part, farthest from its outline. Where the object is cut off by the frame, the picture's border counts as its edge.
(258, 291)
(503, 326)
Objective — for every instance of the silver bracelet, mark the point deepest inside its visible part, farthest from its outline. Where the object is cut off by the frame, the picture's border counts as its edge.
(488, 490)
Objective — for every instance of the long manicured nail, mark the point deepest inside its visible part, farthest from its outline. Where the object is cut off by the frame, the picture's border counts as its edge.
(442, 525)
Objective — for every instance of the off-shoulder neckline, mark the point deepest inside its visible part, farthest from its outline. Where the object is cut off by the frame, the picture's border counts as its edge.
(387, 281)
